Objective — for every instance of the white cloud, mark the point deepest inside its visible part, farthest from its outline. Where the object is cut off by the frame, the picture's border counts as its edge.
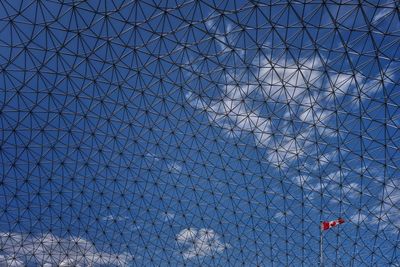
(342, 83)
(224, 38)
(186, 235)
(69, 262)
(195, 101)
(234, 114)
(10, 261)
(200, 243)
(287, 81)
(297, 93)
(49, 249)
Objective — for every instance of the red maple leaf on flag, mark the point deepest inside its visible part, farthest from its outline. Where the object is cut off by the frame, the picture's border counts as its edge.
(325, 225)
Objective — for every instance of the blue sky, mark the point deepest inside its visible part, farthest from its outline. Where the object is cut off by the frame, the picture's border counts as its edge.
(197, 133)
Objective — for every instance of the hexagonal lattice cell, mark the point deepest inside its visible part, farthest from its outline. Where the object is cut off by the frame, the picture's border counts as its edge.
(199, 133)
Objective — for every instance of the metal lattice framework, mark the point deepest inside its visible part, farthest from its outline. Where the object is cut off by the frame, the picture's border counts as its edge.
(199, 133)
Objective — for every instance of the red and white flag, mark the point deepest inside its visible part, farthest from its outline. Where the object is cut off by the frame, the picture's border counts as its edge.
(325, 225)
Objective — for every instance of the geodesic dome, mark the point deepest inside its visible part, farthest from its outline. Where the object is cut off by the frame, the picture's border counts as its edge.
(199, 133)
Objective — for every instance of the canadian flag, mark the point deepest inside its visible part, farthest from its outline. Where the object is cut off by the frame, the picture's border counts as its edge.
(325, 225)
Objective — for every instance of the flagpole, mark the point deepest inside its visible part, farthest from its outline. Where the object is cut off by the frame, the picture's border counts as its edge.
(321, 257)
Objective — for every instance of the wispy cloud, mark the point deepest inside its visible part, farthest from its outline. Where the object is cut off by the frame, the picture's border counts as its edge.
(186, 236)
(114, 218)
(288, 83)
(200, 243)
(383, 12)
(358, 218)
(298, 93)
(280, 215)
(174, 167)
(377, 83)
(168, 216)
(352, 190)
(10, 261)
(152, 156)
(301, 180)
(326, 158)
(342, 83)
(52, 250)
(387, 213)
(225, 39)
(322, 160)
